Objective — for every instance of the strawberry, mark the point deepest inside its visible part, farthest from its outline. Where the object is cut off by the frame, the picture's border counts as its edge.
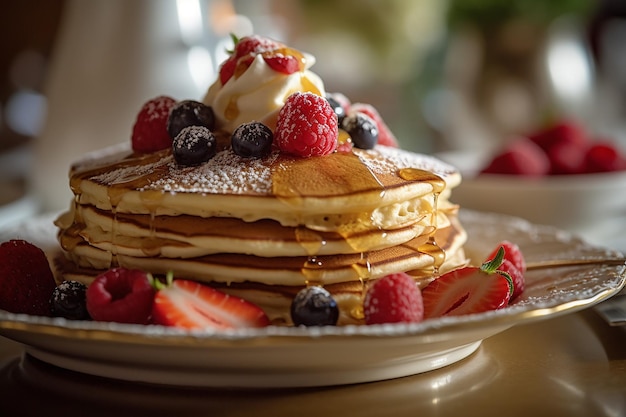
(121, 295)
(150, 129)
(517, 278)
(286, 64)
(468, 290)
(512, 252)
(394, 298)
(247, 48)
(191, 305)
(567, 158)
(519, 157)
(603, 156)
(565, 144)
(26, 280)
(566, 131)
(385, 136)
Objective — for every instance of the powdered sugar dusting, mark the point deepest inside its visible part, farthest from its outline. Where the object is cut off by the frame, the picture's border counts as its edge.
(226, 172)
(388, 160)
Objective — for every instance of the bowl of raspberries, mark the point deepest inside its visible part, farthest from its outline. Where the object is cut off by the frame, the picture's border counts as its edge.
(559, 175)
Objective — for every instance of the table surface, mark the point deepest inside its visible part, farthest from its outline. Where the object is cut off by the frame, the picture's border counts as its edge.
(573, 365)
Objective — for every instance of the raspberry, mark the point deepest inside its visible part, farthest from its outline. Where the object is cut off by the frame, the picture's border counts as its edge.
(150, 128)
(306, 126)
(121, 295)
(394, 298)
(385, 136)
(519, 157)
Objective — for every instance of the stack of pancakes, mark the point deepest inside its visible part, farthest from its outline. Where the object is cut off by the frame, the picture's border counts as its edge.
(264, 228)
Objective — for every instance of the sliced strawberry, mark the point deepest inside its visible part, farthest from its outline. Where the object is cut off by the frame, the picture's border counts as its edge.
(468, 290)
(255, 44)
(285, 64)
(227, 70)
(26, 280)
(191, 305)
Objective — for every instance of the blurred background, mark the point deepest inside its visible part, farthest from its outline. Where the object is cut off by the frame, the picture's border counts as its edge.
(445, 75)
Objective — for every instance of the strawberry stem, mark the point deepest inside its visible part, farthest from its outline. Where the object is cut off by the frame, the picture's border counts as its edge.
(235, 40)
(158, 285)
(492, 266)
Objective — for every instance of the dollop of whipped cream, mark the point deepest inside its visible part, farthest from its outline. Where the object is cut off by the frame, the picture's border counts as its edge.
(259, 93)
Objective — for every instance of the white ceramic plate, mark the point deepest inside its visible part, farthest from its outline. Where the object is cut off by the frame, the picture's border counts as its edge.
(565, 275)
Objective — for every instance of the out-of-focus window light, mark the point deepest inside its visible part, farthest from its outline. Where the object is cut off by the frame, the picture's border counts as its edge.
(200, 66)
(190, 21)
(569, 68)
(25, 112)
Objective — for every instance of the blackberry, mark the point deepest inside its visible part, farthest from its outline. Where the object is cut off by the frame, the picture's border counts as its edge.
(252, 140)
(337, 108)
(68, 300)
(189, 113)
(194, 145)
(362, 130)
(314, 306)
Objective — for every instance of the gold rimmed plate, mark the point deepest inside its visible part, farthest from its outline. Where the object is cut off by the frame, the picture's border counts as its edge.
(565, 275)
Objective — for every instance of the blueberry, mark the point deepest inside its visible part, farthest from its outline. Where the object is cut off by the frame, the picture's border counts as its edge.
(314, 306)
(362, 130)
(194, 145)
(189, 113)
(337, 107)
(68, 300)
(252, 139)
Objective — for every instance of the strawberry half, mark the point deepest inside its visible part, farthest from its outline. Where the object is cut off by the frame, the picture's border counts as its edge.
(191, 305)
(468, 290)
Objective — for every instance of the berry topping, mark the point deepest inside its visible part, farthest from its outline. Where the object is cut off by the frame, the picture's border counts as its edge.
(362, 130)
(314, 306)
(252, 140)
(286, 64)
(385, 136)
(69, 300)
(468, 290)
(191, 305)
(277, 56)
(189, 113)
(26, 280)
(194, 145)
(306, 126)
(520, 157)
(150, 128)
(121, 295)
(394, 298)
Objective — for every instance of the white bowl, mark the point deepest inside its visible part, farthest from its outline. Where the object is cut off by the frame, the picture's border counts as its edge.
(591, 205)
